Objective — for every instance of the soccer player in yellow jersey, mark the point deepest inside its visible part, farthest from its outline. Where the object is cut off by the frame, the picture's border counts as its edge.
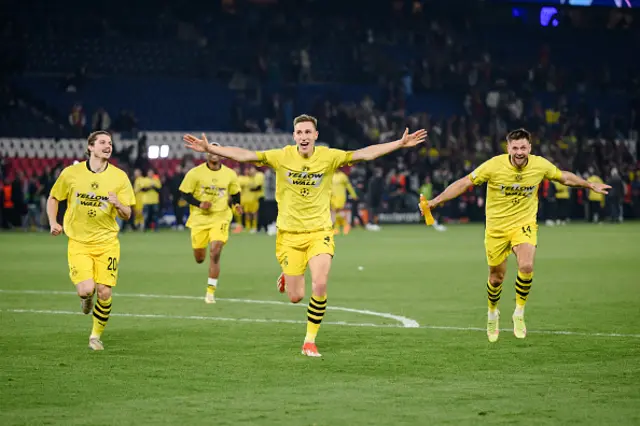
(207, 188)
(339, 188)
(137, 210)
(251, 184)
(149, 188)
(596, 200)
(304, 175)
(96, 192)
(562, 203)
(512, 204)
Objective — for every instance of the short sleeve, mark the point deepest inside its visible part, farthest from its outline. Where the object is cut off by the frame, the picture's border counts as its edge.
(60, 189)
(126, 194)
(551, 172)
(271, 158)
(188, 184)
(341, 158)
(234, 184)
(481, 174)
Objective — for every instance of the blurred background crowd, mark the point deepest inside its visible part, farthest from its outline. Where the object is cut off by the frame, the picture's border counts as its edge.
(467, 71)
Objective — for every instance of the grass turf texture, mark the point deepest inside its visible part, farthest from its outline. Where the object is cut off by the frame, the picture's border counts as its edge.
(194, 370)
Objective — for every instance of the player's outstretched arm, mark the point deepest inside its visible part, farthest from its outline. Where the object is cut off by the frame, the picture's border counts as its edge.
(202, 145)
(452, 191)
(571, 179)
(374, 151)
(52, 214)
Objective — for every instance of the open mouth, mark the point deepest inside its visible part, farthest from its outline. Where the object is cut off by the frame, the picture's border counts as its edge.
(106, 151)
(304, 144)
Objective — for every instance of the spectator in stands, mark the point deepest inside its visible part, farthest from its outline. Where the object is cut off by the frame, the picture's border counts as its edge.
(635, 194)
(180, 206)
(11, 203)
(33, 192)
(101, 120)
(616, 195)
(374, 198)
(78, 120)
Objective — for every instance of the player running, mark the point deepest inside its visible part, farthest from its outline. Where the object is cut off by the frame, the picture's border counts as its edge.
(339, 189)
(512, 205)
(96, 192)
(207, 188)
(304, 174)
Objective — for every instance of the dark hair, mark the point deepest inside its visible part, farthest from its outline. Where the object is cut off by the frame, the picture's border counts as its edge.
(518, 134)
(93, 136)
(304, 118)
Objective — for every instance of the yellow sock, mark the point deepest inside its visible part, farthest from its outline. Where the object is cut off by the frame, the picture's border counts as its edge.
(247, 222)
(101, 312)
(254, 223)
(523, 287)
(493, 295)
(315, 313)
(211, 289)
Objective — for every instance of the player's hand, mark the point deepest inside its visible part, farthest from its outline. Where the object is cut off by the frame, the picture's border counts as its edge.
(205, 205)
(413, 139)
(430, 204)
(56, 229)
(238, 208)
(198, 145)
(600, 188)
(113, 199)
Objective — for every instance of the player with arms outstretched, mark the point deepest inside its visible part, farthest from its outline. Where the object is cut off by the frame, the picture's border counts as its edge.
(339, 189)
(96, 192)
(511, 209)
(207, 188)
(304, 174)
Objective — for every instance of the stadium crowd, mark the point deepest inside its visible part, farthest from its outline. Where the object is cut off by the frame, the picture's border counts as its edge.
(476, 90)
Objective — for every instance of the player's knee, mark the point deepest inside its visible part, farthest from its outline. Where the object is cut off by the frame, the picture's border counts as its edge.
(526, 267)
(200, 255)
(319, 286)
(295, 295)
(86, 288)
(215, 253)
(104, 292)
(496, 278)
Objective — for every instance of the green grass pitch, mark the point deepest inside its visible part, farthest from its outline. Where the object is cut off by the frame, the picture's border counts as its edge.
(178, 361)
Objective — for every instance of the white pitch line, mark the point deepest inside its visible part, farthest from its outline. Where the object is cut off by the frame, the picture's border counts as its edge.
(199, 317)
(286, 321)
(406, 322)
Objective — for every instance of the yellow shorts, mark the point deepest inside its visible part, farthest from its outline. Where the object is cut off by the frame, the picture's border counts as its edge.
(251, 206)
(201, 237)
(498, 244)
(94, 261)
(338, 203)
(293, 250)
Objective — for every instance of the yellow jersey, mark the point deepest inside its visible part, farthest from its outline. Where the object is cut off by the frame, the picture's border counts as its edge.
(594, 196)
(90, 218)
(303, 186)
(152, 196)
(341, 185)
(214, 186)
(245, 189)
(248, 185)
(562, 191)
(512, 193)
(258, 182)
